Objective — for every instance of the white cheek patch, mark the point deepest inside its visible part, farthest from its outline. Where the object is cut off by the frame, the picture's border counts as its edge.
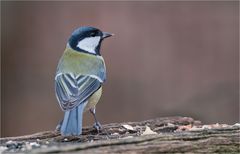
(89, 44)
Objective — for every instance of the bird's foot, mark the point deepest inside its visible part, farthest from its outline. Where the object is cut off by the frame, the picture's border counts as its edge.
(97, 126)
(58, 127)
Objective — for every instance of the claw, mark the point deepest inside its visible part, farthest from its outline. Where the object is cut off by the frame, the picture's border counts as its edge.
(97, 126)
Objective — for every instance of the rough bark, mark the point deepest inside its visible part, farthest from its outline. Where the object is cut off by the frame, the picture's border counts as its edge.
(167, 135)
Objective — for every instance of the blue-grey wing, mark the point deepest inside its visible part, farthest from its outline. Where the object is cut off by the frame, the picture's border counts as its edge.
(72, 90)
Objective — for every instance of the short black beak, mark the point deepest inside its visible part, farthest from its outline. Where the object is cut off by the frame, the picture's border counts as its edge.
(106, 34)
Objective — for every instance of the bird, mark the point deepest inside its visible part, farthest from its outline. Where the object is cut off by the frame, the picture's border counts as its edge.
(79, 78)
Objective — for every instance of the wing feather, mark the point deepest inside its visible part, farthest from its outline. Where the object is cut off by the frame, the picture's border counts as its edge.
(72, 90)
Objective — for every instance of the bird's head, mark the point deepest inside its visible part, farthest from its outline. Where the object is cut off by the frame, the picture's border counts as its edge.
(87, 39)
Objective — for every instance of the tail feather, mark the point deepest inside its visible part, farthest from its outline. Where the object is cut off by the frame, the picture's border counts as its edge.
(72, 122)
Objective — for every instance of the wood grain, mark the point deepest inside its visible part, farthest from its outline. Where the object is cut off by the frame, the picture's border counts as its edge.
(174, 134)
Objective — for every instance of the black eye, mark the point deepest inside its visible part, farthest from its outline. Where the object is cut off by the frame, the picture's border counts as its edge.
(93, 34)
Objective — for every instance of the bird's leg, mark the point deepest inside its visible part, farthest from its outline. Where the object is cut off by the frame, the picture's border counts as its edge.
(96, 125)
(58, 127)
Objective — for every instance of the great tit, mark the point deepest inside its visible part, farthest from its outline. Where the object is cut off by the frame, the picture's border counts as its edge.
(79, 77)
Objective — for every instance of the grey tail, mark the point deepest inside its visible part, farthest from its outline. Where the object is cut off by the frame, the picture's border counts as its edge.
(72, 122)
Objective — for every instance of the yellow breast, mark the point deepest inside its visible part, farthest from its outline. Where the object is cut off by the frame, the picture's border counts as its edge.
(93, 100)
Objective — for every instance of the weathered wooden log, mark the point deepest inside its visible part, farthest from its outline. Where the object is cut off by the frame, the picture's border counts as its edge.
(164, 135)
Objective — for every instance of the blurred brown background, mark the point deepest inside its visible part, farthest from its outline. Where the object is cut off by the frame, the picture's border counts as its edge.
(166, 59)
